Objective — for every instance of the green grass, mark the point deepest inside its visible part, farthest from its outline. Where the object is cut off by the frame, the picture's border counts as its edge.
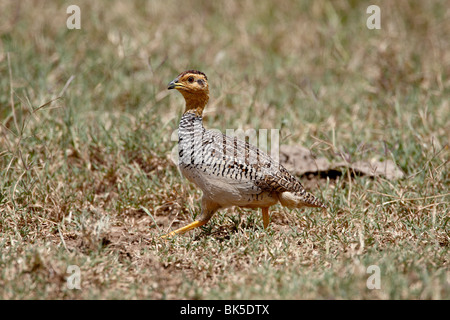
(88, 180)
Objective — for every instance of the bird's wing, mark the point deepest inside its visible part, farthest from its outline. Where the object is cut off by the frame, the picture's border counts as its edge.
(243, 163)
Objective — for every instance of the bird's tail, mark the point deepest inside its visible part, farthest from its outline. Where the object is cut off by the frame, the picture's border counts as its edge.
(300, 199)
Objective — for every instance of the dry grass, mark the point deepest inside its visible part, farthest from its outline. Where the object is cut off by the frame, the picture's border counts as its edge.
(87, 180)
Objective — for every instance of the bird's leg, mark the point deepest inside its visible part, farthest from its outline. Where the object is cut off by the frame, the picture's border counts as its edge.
(184, 229)
(208, 209)
(266, 217)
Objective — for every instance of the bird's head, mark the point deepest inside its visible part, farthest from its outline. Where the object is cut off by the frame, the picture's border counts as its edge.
(193, 85)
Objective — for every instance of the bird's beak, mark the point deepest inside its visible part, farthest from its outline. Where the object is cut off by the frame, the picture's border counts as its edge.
(174, 84)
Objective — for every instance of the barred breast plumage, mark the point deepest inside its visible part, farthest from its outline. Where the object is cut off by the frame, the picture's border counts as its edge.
(229, 171)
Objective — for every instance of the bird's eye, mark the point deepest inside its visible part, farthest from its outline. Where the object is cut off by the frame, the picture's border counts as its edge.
(200, 82)
(191, 79)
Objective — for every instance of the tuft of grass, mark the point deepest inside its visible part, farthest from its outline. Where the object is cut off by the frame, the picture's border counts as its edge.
(87, 131)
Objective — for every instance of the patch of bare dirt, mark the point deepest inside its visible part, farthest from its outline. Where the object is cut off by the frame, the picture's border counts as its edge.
(301, 161)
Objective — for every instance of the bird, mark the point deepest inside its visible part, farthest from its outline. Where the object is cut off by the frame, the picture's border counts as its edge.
(229, 171)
